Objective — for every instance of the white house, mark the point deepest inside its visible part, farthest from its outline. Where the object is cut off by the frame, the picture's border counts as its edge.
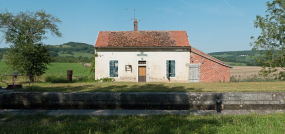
(147, 56)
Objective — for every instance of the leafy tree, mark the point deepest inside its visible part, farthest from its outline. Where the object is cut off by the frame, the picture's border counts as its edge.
(271, 38)
(24, 32)
(92, 67)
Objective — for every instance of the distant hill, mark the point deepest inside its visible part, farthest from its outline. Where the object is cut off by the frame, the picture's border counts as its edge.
(237, 58)
(72, 47)
(67, 52)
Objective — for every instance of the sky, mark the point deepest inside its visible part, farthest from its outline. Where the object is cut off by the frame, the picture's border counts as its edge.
(211, 25)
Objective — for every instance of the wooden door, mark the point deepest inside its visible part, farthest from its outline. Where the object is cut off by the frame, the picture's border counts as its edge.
(194, 73)
(142, 74)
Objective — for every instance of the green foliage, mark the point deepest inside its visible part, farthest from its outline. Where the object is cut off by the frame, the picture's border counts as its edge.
(92, 67)
(155, 124)
(71, 59)
(24, 32)
(4, 69)
(235, 63)
(271, 38)
(31, 59)
(1, 56)
(106, 79)
(238, 58)
(72, 47)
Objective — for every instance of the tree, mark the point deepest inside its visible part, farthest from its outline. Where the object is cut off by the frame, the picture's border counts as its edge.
(24, 32)
(271, 39)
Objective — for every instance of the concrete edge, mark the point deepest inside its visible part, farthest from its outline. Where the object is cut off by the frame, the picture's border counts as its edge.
(135, 112)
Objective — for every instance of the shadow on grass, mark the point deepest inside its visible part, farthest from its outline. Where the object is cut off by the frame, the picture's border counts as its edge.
(161, 124)
(110, 87)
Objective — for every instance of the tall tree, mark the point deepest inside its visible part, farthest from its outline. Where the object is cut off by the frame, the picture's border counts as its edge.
(271, 39)
(25, 32)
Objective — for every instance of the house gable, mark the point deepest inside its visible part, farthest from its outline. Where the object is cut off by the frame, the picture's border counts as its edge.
(210, 68)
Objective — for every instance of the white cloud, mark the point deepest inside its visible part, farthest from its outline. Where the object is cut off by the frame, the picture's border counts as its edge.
(229, 4)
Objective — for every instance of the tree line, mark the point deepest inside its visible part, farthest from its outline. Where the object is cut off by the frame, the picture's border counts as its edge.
(66, 48)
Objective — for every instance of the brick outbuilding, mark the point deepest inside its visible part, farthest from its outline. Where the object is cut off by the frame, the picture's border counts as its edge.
(210, 68)
(154, 56)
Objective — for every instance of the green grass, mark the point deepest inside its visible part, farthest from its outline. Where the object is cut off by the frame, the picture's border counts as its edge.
(159, 124)
(59, 69)
(157, 87)
(4, 69)
(56, 69)
(222, 55)
(77, 54)
(66, 46)
(64, 55)
(88, 55)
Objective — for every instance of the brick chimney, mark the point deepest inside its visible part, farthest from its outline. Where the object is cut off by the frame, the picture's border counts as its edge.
(135, 25)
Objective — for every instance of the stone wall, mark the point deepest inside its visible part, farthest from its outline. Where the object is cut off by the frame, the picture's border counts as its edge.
(141, 100)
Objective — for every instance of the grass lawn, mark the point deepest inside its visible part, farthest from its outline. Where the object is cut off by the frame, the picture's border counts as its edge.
(57, 69)
(4, 69)
(161, 124)
(158, 87)
(77, 54)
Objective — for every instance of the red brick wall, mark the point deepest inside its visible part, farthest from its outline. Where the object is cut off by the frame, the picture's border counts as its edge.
(211, 69)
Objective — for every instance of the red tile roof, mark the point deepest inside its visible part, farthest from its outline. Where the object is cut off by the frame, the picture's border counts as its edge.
(142, 39)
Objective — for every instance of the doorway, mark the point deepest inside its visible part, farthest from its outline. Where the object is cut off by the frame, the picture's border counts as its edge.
(194, 72)
(142, 73)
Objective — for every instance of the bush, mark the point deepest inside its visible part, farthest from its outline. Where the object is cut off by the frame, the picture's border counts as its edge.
(106, 79)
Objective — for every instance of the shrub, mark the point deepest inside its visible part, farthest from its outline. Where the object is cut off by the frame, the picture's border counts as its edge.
(106, 79)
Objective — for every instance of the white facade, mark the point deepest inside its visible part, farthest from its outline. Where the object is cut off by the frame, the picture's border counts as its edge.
(155, 63)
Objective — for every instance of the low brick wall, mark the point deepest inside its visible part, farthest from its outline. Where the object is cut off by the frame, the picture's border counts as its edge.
(141, 100)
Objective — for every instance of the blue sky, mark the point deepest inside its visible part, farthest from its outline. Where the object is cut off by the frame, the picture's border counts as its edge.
(211, 25)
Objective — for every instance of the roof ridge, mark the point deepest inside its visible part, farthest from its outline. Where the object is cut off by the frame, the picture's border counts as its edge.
(152, 38)
(211, 57)
(148, 31)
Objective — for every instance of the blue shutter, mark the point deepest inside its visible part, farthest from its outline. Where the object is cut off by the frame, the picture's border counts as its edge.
(111, 63)
(113, 68)
(167, 68)
(116, 64)
(172, 68)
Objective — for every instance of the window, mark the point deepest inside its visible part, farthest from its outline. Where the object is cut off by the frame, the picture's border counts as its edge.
(170, 68)
(142, 62)
(113, 68)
